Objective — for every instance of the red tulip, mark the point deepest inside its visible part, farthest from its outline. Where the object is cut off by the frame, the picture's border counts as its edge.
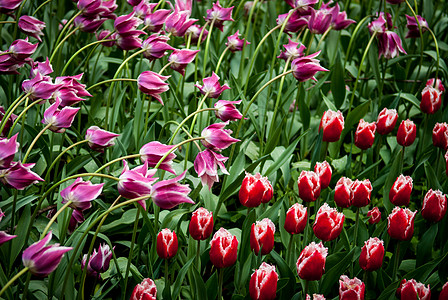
(400, 224)
(324, 171)
(365, 134)
(311, 262)
(223, 249)
(431, 100)
(262, 236)
(361, 192)
(255, 189)
(315, 297)
(201, 224)
(446, 163)
(372, 254)
(166, 243)
(411, 289)
(332, 124)
(296, 219)
(351, 289)
(386, 121)
(328, 224)
(146, 290)
(444, 293)
(434, 206)
(309, 186)
(375, 215)
(342, 192)
(263, 283)
(400, 193)
(407, 131)
(440, 135)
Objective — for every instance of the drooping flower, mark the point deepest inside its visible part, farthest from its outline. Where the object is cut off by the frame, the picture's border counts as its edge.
(412, 25)
(234, 43)
(211, 86)
(206, 165)
(59, 119)
(31, 26)
(19, 176)
(320, 20)
(8, 148)
(153, 152)
(71, 90)
(389, 45)
(154, 21)
(156, 46)
(179, 59)
(40, 87)
(218, 15)
(167, 194)
(294, 23)
(81, 193)
(304, 68)
(292, 51)
(216, 137)
(44, 68)
(153, 84)
(4, 237)
(178, 22)
(99, 139)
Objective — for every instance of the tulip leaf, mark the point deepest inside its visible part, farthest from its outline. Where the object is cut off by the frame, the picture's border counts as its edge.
(337, 84)
(433, 182)
(180, 278)
(332, 275)
(21, 230)
(305, 114)
(395, 171)
(425, 246)
(198, 281)
(284, 272)
(211, 284)
(328, 102)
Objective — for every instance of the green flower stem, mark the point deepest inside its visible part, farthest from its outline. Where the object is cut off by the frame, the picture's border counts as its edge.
(11, 109)
(198, 46)
(62, 42)
(220, 59)
(27, 284)
(114, 161)
(131, 251)
(164, 67)
(54, 218)
(438, 54)
(6, 22)
(198, 255)
(27, 107)
(359, 71)
(421, 41)
(175, 147)
(220, 282)
(207, 46)
(40, 6)
(5, 53)
(289, 253)
(111, 80)
(355, 235)
(186, 119)
(396, 261)
(66, 27)
(246, 34)
(323, 37)
(19, 13)
(34, 142)
(11, 281)
(353, 38)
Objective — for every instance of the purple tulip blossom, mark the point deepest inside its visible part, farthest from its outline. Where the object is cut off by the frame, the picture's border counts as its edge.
(59, 119)
(31, 26)
(81, 193)
(412, 26)
(9, 122)
(226, 110)
(153, 152)
(211, 86)
(179, 59)
(206, 165)
(291, 51)
(106, 35)
(167, 194)
(156, 46)
(99, 139)
(195, 32)
(235, 43)
(154, 21)
(19, 176)
(295, 23)
(8, 148)
(178, 22)
(8, 6)
(320, 21)
(99, 261)
(218, 15)
(22, 49)
(76, 218)
(304, 68)
(153, 84)
(44, 68)
(71, 90)
(40, 87)
(389, 45)
(216, 137)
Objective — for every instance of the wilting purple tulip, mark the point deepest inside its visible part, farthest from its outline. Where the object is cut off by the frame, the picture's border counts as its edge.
(156, 46)
(378, 25)
(152, 84)
(412, 26)
(98, 261)
(40, 87)
(7, 6)
(9, 122)
(59, 118)
(184, 5)
(81, 193)
(340, 20)
(19, 176)
(9, 64)
(129, 41)
(4, 237)
(179, 59)
(154, 21)
(178, 23)
(71, 90)
(142, 9)
(41, 259)
(44, 68)
(206, 165)
(152, 152)
(304, 68)
(226, 110)
(303, 6)
(91, 8)
(295, 23)
(291, 51)
(195, 32)
(234, 43)
(22, 49)
(211, 86)
(320, 21)
(99, 139)
(125, 24)
(106, 35)
(8, 149)
(137, 182)
(216, 137)
(31, 26)
(167, 194)
(219, 14)
(88, 24)
(389, 44)
(76, 218)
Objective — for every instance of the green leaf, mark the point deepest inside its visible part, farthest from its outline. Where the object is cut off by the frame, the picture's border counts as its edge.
(211, 284)
(328, 102)
(337, 84)
(425, 246)
(331, 276)
(284, 272)
(433, 182)
(180, 278)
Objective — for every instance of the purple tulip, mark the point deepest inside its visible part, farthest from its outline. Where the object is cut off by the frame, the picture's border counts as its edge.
(142, 9)
(378, 25)
(99, 139)
(91, 8)
(389, 45)
(31, 26)
(106, 35)
(291, 51)
(303, 6)
(234, 43)
(137, 182)
(89, 24)
(42, 259)
(154, 21)
(22, 49)
(304, 68)
(167, 194)
(8, 149)
(156, 46)
(219, 14)
(127, 23)
(81, 193)
(195, 32)
(152, 84)
(226, 110)
(98, 261)
(206, 165)
(40, 87)
(76, 218)
(184, 5)
(9, 64)
(211, 86)
(153, 152)
(8, 6)
(216, 137)
(44, 68)
(295, 23)
(340, 20)
(71, 90)
(9, 122)
(412, 26)
(320, 21)
(179, 59)
(178, 23)
(59, 118)
(4, 237)
(19, 176)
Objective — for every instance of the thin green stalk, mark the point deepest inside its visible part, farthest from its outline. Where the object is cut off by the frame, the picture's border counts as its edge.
(40, 6)
(164, 67)
(289, 253)
(198, 256)
(437, 52)
(353, 38)
(6, 22)
(34, 142)
(27, 107)
(246, 34)
(61, 43)
(175, 147)
(11, 109)
(111, 80)
(220, 60)
(11, 281)
(131, 252)
(66, 27)
(54, 218)
(207, 46)
(114, 161)
(323, 37)
(355, 235)
(198, 48)
(396, 261)
(421, 42)
(27, 284)
(185, 120)
(220, 282)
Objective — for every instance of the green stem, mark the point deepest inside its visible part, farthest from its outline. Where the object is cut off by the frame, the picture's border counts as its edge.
(34, 142)
(131, 251)
(164, 67)
(246, 34)
(289, 254)
(114, 161)
(220, 60)
(355, 235)
(40, 6)
(54, 218)
(438, 55)
(353, 38)
(198, 255)
(62, 42)
(11, 281)
(220, 282)
(323, 37)
(186, 119)
(21, 115)
(27, 284)
(175, 147)
(207, 45)
(11, 109)
(421, 42)
(66, 27)
(6, 22)
(111, 80)
(396, 261)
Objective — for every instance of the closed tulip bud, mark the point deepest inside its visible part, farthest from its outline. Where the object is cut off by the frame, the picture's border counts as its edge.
(444, 293)
(255, 190)
(153, 84)
(407, 132)
(400, 193)
(324, 171)
(411, 289)
(372, 254)
(328, 224)
(309, 186)
(387, 119)
(431, 100)
(146, 290)
(400, 224)
(311, 262)
(262, 236)
(166, 244)
(434, 206)
(201, 224)
(263, 283)
(223, 249)
(351, 289)
(365, 134)
(374, 215)
(296, 219)
(332, 124)
(343, 192)
(440, 135)
(361, 192)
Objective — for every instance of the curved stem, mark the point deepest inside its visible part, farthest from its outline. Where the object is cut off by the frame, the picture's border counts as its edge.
(110, 80)
(40, 6)
(352, 39)
(175, 147)
(207, 45)
(54, 218)
(11, 109)
(7, 22)
(62, 42)
(21, 115)
(220, 59)
(323, 37)
(438, 55)
(197, 48)
(186, 119)
(246, 34)
(34, 142)
(11, 281)
(196, 116)
(114, 161)
(421, 42)
(164, 67)
(66, 27)
(131, 250)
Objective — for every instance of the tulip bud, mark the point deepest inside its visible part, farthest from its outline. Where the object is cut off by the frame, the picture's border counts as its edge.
(361, 192)
(400, 224)
(400, 193)
(166, 243)
(407, 132)
(201, 224)
(440, 135)
(255, 190)
(262, 236)
(99, 139)
(311, 262)
(434, 206)
(375, 215)
(351, 288)
(146, 290)
(365, 134)
(343, 192)
(332, 124)
(309, 186)
(263, 283)
(372, 254)
(431, 100)
(328, 224)
(411, 289)
(386, 121)
(324, 171)
(223, 249)
(153, 84)
(296, 219)
(81, 193)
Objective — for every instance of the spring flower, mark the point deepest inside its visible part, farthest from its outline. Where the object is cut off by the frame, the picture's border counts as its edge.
(179, 59)
(295, 23)
(99, 139)
(153, 84)
(8, 123)
(206, 165)
(71, 90)
(263, 283)
(31, 26)
(351, 288)
(365, 134)
(99, 260)
(343, 192)
(361, 192)
(41, 259)
(146, 290)
(378, 25)
(167, 243)
(304, 6)
(412, 25)
(431, 100)
(19, 176)
(315, 297)
(434, 206)
(44, 68)
(156, 46)
(372, 254)
(195, 32)
(386, 121)
(59, 119)
(309, 186)
(304, 68)
(444, 292)
(440, 135)
(216, 137)
(152, 152)
(296, 219)
(40, 87)
(255, 190)
(324, 171)
(81, 193)
(389, 45)
(76, 218)
(262, 236)
(374, 215)
(201, 224)
(211, 87)
(438, 85)
(400, 224)
(218, 15)
(411, 289)
(142, 9)
(332, 124)
(106, 35)
(4, 237)
(22, 49)
(400, 193)
(88, 24)
(311, 262)
(184, 5)
(235, 43)
(407, 132)
(178, 23)
(167, 194)
(319, 21)
(8, 148)
(340, 20)
(328, 224)
(154, 21)
(8, 6)
(223, 249)
(291, 51)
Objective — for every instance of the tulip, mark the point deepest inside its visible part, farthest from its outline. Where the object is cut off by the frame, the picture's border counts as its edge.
(195, 32)
(407, 132)
(106, 35)
(19, 176)
(444, 293)
(400, 193)
(76, 218)
(70, 91)
(263, 283)
(8, 122)
(211, 87)
(446, 162)
(440, 135)
(41, 259)
(218, 15)
(296, 219)
(44, 68)
(319, 21)
(184, 5)
(99, 139)
(372, 254)
(291, 51)
(340, 20)
(8, 148)
(235, 43)
(206, 165)
(378, 25)
(81, 193)
(153, 152)
(295, 23)
(166, 244)
(126, 24)
(412, 26)
(351, 288)
(309, 186)
(40, 87)
(153, 84)
(365, 134)
(255, 190)
(59, 119)
(262, 236)
(216, 137)
(324, 171)
(434, 206)
(146, 290)
(88, 24)
(431, 100)
(328, 224)
(154, 21)
(374, 215)
(99, 261)
(304, 68)
(167, 194)
(22, 49)
(311, 262)
(389, 45)
(8, 6)
(179, 59)
(315, 297)
(223, 249)
(386, 121)
(400, 224)
(303, 6)
(201, 224)
(178, 23)
(411, 289)
(361, 192)
(226, 110)
(156, 46)
(343, 192)
(332, 124)
(438, 85)
(31, 26)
